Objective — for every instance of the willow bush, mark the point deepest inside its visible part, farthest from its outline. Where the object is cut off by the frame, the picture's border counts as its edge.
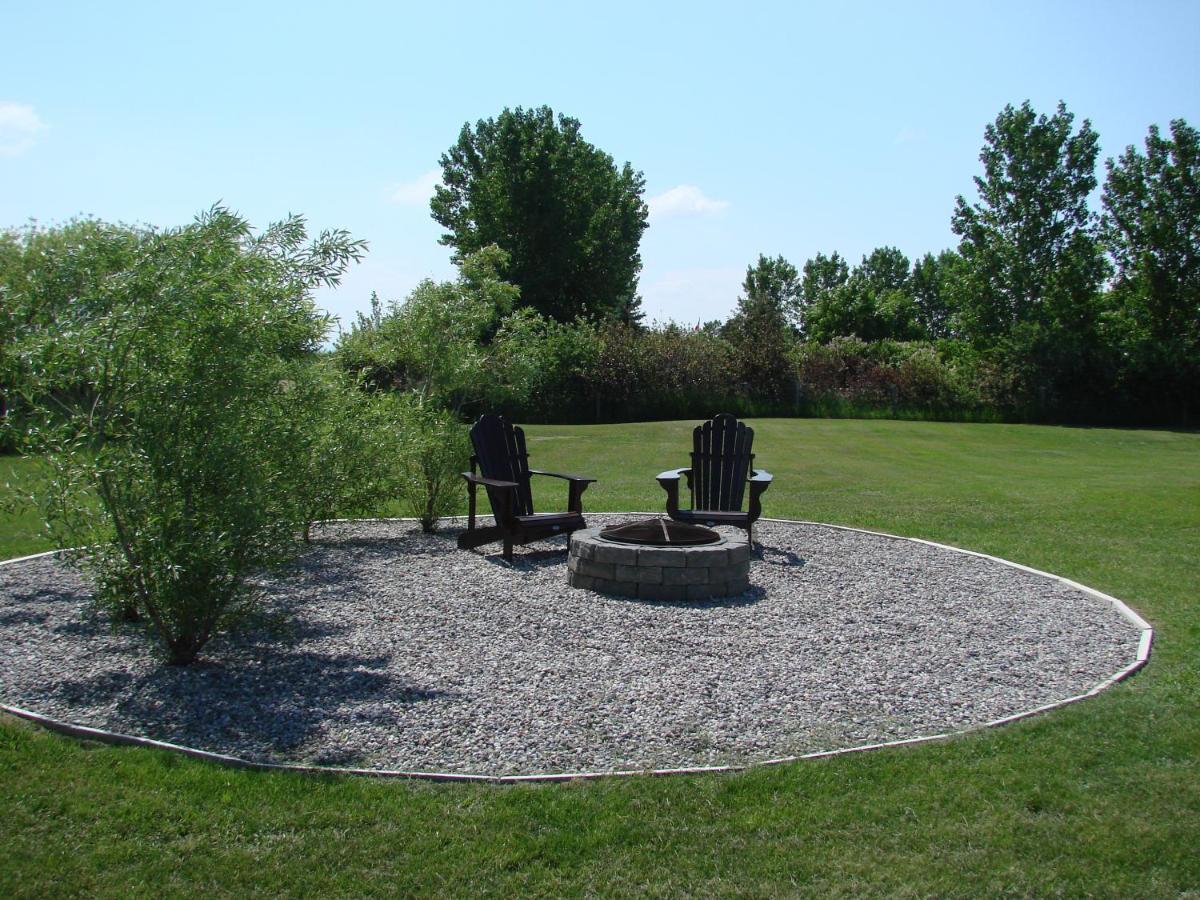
(174, 469)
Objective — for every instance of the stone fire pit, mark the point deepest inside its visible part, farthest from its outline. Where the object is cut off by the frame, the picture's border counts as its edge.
(664, 571)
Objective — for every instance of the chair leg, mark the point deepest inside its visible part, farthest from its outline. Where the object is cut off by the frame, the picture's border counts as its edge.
(508, 548)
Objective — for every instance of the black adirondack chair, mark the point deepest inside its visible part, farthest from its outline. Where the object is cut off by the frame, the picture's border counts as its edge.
(501, 458)
(717, 478)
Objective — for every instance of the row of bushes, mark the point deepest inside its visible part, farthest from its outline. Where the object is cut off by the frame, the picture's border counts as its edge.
(468, 346)
(584, 373)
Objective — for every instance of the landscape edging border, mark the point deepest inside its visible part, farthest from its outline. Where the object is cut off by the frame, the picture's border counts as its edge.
(111, 737)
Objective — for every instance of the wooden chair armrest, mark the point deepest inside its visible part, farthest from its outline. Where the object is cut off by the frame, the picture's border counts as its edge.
(576, 485)
(672, 474)
(759, 482)
(472, 478)
(579, 478)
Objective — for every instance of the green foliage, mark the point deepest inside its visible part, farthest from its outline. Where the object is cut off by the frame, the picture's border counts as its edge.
(932, 285)
(347, 444)
(903, 378)
(174, 467)
(557, 362)
(617, 373)
(662, 373)
(884, 269)
(1032, 265)
(454, 344)
(1028, 245)
(431, 450)
(1151, 227)
(568, 218)
(761, 331)
(45, 274)
(770, 294)
(822, 275)
(1023, 288)
(873, 303)
(448, 349)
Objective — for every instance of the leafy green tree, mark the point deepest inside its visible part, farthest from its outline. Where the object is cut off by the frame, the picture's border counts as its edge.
(174, 470)
(1032, 264)
(933, 286)
(1152, 229)
(873, 303)
(1028, 244)
(883, 280)
(772, 285)
(770, 294)
(568, 218)
(761, 329)
(822, 275)
(884, 269)
(1151, 226)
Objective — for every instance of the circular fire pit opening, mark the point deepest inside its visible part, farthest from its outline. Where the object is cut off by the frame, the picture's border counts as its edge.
(632, 560)
(660, 532)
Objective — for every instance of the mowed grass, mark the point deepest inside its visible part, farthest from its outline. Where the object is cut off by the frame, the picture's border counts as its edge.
(1101, 798)
(20, 533)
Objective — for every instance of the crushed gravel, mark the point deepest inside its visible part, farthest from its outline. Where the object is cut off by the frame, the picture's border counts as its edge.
(389, 649)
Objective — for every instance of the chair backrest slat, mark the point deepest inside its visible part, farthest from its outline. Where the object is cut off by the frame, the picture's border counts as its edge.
(721, 460)
(500, 449)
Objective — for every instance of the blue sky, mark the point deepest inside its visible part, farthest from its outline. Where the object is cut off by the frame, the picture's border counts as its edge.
(780, 128)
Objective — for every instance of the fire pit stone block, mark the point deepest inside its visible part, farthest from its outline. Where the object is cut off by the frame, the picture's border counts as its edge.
(696, 572)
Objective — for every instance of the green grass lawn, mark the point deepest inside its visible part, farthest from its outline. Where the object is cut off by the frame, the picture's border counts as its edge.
(1100, 798)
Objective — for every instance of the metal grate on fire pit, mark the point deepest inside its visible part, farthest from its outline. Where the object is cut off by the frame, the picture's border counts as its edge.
(660, 532)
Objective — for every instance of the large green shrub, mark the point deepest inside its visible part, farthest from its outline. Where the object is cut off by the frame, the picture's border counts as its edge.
(47, 274)
(455, 344)
(175, 469)
(561, 388)
(348, 445)
(431, 451)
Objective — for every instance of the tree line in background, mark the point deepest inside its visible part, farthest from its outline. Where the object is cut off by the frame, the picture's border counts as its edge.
(191, 429)
(1046, 311)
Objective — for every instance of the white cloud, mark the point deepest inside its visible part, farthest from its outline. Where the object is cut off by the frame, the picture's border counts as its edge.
(418, 191)
(908, 135)
(684, 200)
(19, 126)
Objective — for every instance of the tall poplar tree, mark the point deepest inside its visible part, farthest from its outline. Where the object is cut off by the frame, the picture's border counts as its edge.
(1029, 245)
(1152, 229)
(569, 219)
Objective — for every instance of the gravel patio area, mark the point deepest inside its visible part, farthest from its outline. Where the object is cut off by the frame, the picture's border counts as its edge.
(389, 649)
